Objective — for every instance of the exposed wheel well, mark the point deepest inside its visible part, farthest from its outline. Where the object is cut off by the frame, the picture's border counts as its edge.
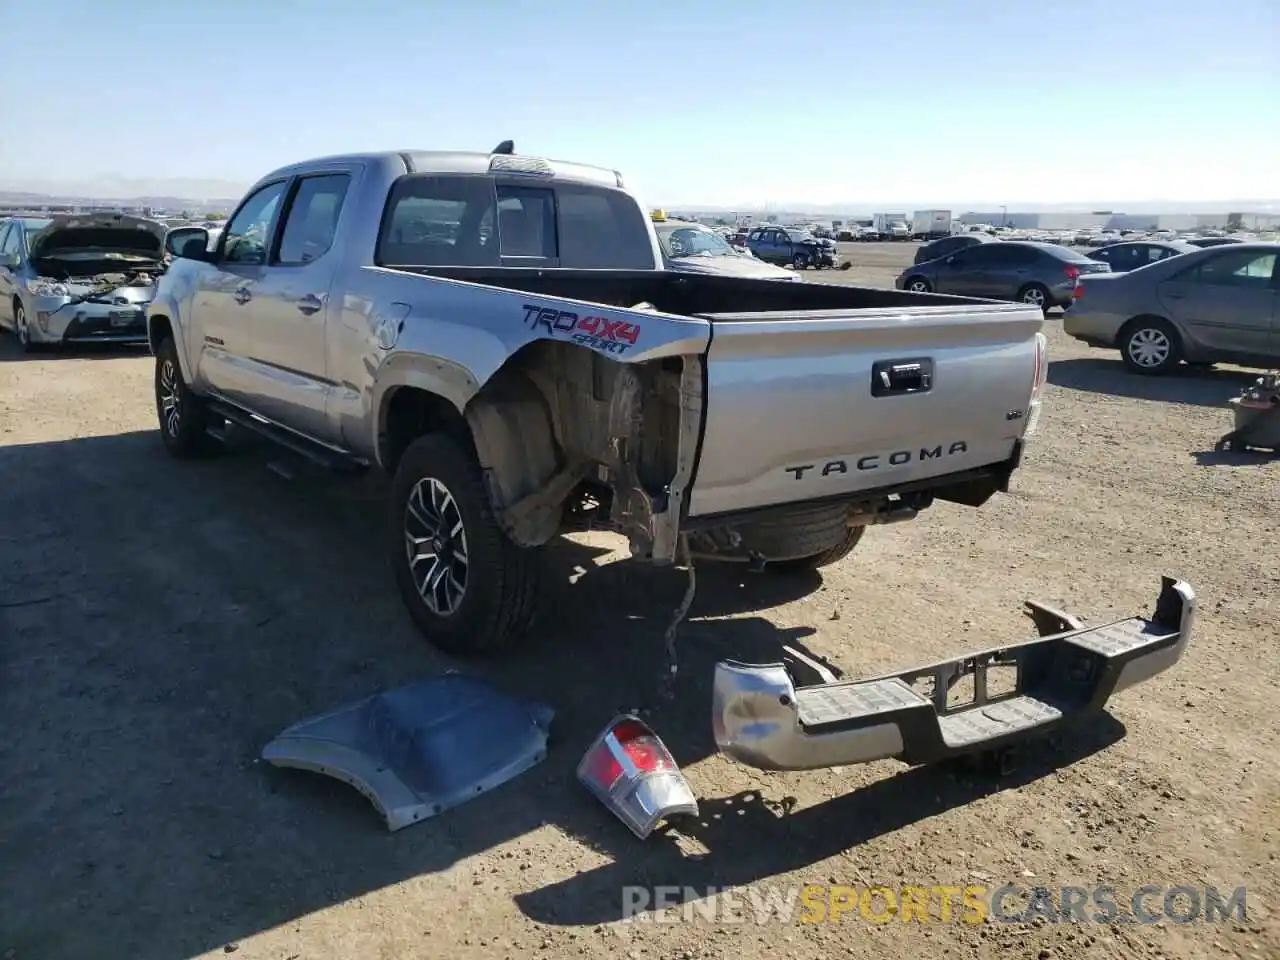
(158, 330)
(410, 413)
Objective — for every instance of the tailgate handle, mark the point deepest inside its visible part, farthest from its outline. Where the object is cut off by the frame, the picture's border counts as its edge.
(892, 377)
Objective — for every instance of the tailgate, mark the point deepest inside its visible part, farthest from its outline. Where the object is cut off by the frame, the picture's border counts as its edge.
(831, 403)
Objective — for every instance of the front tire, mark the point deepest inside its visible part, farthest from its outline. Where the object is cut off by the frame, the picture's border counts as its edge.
(21, 328)
(800, 261)
(919, 285)
(184, 420)
(469, 590)
(1150, 346)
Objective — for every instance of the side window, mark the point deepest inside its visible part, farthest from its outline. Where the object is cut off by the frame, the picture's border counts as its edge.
(601, 228)
(527, 222)
(312, 221)
(755, 235)
(439, 221)
(249, 233)
(1105, 255)
(983, 255)
(1247, 269)
(1156, 253)
(8, 239)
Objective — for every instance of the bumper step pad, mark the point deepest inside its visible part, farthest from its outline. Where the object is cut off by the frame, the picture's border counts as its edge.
(762, 719)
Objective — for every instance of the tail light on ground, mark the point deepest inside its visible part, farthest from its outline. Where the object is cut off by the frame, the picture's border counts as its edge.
(630, 771)
(1038, 379)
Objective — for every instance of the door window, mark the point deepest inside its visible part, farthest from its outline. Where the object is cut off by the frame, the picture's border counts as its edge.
(249, 233)
(439, 221)
(312, 220)
(9, 238)
(1245, 269)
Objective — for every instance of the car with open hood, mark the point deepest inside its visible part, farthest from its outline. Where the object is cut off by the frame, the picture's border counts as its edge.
(690, 247)
(79, 278)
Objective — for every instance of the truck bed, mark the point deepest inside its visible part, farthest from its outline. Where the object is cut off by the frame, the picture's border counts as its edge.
(823, 391)
(697, 295)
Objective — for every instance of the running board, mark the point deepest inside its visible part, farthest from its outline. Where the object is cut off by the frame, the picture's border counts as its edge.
(760, 718)
(315, 452)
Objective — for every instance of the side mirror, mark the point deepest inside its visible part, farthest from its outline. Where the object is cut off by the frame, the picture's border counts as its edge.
(10, 260)
(182, 241)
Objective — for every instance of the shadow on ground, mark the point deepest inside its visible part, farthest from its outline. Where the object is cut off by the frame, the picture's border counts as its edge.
(164, 620)
(1199, 387)
(10, 352)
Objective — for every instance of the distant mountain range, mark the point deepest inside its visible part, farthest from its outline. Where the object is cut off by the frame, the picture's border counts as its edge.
(862, 208)
(179, 192)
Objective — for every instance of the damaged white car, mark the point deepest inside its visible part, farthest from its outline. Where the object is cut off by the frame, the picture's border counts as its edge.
(81, 278)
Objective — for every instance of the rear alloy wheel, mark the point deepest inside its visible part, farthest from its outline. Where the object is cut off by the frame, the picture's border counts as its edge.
(919, 285)
(1150, 346)
(469, 589)
(1035, 295)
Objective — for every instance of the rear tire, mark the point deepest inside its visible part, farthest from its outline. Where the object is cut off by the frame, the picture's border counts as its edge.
(469, 590)
(1150, 346)
(825, 558)
(1035, 295)
(184, 420)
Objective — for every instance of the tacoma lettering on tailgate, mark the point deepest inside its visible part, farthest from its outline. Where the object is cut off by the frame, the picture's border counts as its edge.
(599, 333)
(874, 461)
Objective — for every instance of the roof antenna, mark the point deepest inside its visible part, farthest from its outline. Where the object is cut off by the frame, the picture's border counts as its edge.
(506, 146)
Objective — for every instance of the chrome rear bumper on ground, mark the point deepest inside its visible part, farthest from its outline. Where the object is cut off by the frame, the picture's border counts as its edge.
(762, 719)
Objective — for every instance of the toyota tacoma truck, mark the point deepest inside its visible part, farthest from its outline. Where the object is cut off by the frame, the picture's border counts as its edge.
(496, 333)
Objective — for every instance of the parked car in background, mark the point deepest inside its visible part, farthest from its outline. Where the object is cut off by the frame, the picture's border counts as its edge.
(1130, 255)
(1042, 274)
(949, 245)
(689, 247)
(79, 278)
(1216, 304)
(784, 246)
(1204, 242)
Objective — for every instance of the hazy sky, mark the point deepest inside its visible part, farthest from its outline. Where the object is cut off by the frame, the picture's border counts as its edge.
(745, 101)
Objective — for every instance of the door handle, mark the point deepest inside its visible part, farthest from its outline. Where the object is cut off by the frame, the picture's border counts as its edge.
(1174, 296)
(243, 296)
(310, 304)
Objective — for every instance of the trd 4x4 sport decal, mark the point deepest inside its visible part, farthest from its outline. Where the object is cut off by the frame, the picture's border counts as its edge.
(599, 333)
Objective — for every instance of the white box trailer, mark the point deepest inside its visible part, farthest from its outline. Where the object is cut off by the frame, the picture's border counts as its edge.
(930, 224)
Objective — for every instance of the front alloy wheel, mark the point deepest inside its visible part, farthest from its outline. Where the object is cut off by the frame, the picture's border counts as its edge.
(170, 399)
(919, 285)
(21, 329)
(435, 540)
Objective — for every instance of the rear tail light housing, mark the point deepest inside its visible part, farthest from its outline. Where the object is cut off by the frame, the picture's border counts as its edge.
(1038, 379)
(1073, 272)
(630, 771)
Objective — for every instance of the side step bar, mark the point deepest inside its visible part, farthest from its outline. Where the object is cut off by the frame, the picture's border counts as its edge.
(295, 442)
(760, 718)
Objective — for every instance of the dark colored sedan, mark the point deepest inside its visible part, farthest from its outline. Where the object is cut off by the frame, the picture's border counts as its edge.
(1043, 274)
(1132, 254)
(949, 245)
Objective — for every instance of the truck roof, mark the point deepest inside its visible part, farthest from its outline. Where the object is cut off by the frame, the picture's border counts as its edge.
(460, 161)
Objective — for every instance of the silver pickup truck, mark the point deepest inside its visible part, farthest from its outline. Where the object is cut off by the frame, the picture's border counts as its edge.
(495, 331)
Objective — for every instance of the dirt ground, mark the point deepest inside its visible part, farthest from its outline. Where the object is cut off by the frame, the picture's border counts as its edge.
(161, 621)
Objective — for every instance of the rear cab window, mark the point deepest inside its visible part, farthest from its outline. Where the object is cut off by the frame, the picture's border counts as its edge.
(478, 220)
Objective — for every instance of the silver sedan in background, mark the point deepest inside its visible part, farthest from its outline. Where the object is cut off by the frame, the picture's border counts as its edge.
(1217, 304)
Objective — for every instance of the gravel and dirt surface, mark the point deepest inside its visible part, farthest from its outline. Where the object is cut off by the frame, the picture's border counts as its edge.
(160, 621)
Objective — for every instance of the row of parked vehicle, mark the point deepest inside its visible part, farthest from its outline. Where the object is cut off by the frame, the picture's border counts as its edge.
(1159, 302)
